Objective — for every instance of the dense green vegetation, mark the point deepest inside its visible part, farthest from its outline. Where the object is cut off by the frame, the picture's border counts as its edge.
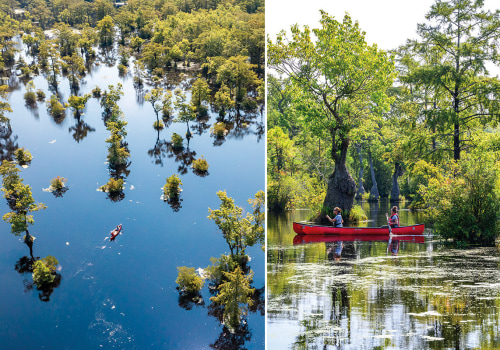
(419, 123)
(229, 275)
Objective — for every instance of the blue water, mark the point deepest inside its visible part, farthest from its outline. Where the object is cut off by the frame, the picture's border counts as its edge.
(120, 294)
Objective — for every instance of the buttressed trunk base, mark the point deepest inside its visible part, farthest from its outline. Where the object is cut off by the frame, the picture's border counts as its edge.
(340, 193)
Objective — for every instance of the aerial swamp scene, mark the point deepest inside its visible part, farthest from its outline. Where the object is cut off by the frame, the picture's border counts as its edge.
(132, 162)
(353, 126)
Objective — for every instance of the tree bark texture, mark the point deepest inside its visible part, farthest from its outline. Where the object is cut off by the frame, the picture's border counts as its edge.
(341, 186)
(395, 192)
(374, 195)
(361, 188)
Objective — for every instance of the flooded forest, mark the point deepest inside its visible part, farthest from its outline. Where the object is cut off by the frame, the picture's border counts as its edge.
(128, 130)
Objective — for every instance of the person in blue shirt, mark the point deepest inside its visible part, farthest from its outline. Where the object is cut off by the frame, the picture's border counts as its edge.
(337, 220)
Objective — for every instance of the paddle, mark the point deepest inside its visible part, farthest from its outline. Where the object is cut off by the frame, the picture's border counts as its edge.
(388, 223)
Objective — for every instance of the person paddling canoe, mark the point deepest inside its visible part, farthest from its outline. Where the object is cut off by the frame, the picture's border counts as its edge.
(337, 220)
(393, 220)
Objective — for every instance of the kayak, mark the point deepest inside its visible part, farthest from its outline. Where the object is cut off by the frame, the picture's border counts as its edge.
(305, 239)
(304, 228)
(115, 232)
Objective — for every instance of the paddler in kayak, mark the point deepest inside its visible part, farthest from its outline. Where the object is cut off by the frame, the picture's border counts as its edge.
(337, 221)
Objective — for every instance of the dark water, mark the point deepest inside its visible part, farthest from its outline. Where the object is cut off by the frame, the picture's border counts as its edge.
(121, 294)
(425, 297)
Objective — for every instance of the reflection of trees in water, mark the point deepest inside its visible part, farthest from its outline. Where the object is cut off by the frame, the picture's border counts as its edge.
(80, 130)
(59, 192)
(175, 203)
(232, 339)
(238, 126)
(182, 155)
(159, 150)
(8, 143)
(201, 125)
(107, 56)
(188, 300)
(25, 265)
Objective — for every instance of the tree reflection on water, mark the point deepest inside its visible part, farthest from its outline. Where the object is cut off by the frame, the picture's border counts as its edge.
(392, 294)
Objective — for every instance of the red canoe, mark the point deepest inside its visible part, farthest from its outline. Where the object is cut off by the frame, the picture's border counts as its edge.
(304, 228)
(305, 239)
(115, 232)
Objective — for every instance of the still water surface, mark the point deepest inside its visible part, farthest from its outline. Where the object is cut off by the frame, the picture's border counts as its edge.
(376, 295)
(122, 294)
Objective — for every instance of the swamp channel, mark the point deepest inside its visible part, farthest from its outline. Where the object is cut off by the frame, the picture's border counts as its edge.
(122, 294)
(416, 294)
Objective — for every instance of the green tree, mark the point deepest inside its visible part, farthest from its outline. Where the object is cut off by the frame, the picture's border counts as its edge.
(44, 271)
(464, 205)
(188, 280)
(20, 200)
(106, 31)
(76, 67)
(77, 103)
(461, 38)
(235, 296)
(158, 97)
(185, 110)
(340, 79)
(200, 93)
(238, 231)
(109, 101)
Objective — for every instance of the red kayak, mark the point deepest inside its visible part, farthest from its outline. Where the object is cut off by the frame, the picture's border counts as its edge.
(304, 228)
(115, 232)
(305, 239)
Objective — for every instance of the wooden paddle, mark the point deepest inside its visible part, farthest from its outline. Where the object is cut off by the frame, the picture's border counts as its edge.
(388, 223)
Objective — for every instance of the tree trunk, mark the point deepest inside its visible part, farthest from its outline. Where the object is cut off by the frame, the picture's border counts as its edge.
(361, 188)
(341, 186)
(374, 195)
(395, 193)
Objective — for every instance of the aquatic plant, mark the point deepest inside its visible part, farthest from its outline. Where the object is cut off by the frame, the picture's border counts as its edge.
(200, 164)
(44, 271)
(58, 183)
(96, 92)
(188, 280)
(23, 156)
(158, 125)
(30, 95)
(218, 129)
(40, 95)
(177, 140)
(113, 186)
(171, 189)
(357, 214)
(54, 107)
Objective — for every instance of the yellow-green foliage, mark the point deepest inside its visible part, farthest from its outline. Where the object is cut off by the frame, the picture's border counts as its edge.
(218, 129)
(96, 92)
(188, 280)
(40, 94)
(171, 188)
(23, 156)
(158, 124)
(30, 97)
(200, 164)
(463, 204)
(55, 108)
(58, 183)
(113, 186)
(44, 271)
(235, 296)
(176, 140)
(357, 214)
